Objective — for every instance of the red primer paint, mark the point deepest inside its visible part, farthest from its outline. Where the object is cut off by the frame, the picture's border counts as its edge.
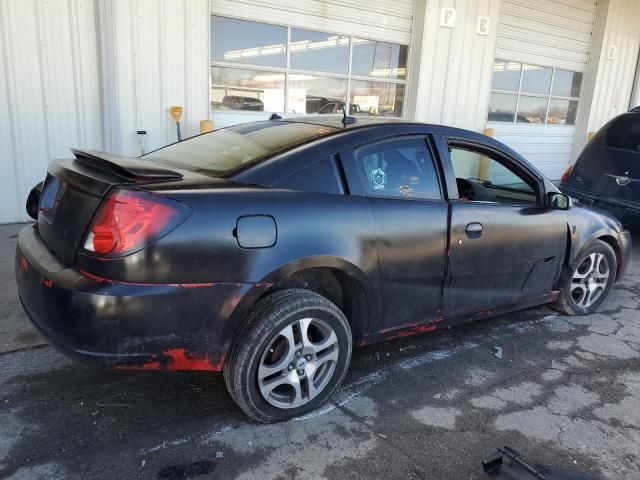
(178, 360)
(23, 266)
(46, 283)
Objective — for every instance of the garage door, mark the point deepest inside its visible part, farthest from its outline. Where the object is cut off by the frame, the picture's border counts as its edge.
(307, 57)
(542, 52)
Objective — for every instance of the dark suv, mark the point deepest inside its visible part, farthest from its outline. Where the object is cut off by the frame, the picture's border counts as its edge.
(607, 173)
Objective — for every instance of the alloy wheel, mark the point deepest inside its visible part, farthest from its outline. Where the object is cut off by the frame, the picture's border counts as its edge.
(590, 280)
(298, 363)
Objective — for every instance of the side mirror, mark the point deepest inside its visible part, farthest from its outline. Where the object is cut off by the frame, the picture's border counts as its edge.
(559, 201)
(33, 201)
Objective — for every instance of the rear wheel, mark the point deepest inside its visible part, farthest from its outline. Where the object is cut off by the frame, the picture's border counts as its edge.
(590, 282)
(290, 357)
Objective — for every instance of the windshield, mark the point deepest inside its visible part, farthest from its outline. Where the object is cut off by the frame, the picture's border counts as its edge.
(223, 151)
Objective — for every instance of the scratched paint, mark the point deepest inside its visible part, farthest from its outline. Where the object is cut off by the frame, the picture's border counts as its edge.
(177, 359)
(99, 279)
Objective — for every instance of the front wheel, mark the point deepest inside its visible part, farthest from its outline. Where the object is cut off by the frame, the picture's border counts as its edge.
(590, 282)
(290, 357)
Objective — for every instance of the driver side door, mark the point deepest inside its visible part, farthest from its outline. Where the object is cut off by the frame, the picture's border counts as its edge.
(506, 245)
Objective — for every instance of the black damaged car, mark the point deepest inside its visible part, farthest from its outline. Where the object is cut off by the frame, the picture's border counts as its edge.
(267, 250)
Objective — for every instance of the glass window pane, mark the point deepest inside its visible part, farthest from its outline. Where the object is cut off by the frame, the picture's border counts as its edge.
(240, 89)
(222, 151)
(506, 76)
(379, 59)
(536, 79)
(502, 107)
(322, 52)
(562, 112)
(566, 84)
(531, 109)
(376, 98)
(315, 94)
(398, 168)
(252, 43)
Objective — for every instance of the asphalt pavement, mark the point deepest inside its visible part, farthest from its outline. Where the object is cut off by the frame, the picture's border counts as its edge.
(565, 392)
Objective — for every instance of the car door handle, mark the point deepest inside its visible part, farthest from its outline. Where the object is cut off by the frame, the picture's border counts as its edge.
(474, 229)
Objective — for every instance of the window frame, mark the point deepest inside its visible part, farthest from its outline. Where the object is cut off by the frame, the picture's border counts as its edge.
(287, 70)
(355, 175)
(549, 96)
(443, 143)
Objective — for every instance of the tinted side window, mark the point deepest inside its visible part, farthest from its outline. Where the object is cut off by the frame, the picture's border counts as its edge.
(398, 168)
(321, 177)
(624, 133)
(481, 178)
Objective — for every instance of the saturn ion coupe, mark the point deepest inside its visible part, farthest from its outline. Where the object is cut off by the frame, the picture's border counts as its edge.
(268, 250)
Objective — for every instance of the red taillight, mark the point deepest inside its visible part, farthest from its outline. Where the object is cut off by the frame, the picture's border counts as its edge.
(129, 220)
(565, 175)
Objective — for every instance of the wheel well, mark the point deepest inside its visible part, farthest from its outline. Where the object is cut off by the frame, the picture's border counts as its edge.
(339, 287)
(613, 243)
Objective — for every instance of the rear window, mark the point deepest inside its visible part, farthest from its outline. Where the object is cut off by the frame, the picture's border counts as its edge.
(224, 151)
(624, 133)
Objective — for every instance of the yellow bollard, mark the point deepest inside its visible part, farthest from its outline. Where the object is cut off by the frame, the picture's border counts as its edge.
(206, 126)
(484, 161)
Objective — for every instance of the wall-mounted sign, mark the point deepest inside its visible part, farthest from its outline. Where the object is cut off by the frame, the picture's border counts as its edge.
(448, 17)
(482, 27)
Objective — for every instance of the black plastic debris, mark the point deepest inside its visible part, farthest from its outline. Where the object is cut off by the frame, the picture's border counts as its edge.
(507, 464)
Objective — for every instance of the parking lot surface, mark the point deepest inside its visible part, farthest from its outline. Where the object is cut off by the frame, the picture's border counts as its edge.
(566, 392)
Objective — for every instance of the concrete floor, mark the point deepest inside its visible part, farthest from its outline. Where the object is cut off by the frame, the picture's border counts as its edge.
(565, 392)
(15, 330)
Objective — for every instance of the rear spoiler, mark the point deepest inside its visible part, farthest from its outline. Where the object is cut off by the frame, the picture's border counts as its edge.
(124, 166)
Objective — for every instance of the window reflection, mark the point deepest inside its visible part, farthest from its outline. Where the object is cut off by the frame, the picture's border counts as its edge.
(532, 110)
(251, 43)
(542, 95)
(376, 98)
(240, 89)
(379, 59)
(320, 52)
(506, 76)
(562, 112)
(566, 84)
(261, 67)
(502, 107)
(536, 79)
(315, 94)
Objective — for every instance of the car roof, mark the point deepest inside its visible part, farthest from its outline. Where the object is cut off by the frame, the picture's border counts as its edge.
(335, 121)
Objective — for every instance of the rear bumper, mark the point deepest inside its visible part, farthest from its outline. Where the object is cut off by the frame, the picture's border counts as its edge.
(627, 213)
(127, 325)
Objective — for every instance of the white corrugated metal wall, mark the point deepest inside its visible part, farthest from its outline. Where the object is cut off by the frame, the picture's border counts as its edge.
(548, 33)
(49, 91)
(454, 67)
(154, 54)
(614, 83)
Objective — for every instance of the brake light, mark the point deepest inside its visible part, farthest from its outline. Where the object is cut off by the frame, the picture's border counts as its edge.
(565, 175)
(128, 220)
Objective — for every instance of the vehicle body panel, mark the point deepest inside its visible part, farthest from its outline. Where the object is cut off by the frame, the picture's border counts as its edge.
(178, 302)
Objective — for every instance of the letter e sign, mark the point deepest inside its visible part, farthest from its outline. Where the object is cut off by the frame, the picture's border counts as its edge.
(448, 17)
(482, 27)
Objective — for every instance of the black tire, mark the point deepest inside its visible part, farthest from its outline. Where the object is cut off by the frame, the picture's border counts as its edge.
(567, 303)
(270, 316)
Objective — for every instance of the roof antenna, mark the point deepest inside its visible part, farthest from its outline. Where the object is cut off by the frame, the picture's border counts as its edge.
(275, 116)
(346, 120)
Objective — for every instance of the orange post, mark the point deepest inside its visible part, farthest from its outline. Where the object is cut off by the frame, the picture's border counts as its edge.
(483, 174)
